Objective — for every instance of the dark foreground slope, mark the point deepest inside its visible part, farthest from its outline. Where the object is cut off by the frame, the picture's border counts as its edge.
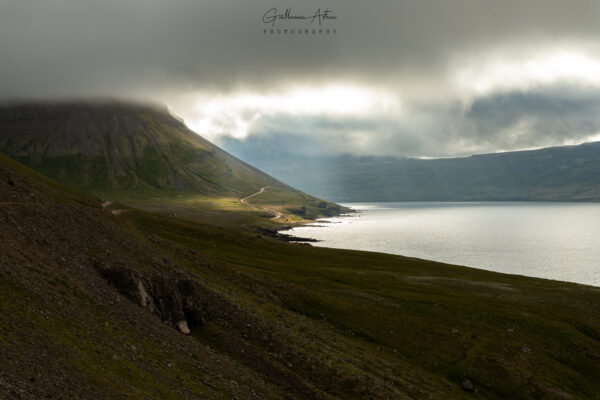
(66, 333)
(567, 173)
(96, 305)
(132, 152)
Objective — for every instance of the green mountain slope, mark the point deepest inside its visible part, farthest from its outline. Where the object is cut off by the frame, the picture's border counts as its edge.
(132, 152)
(120, 147)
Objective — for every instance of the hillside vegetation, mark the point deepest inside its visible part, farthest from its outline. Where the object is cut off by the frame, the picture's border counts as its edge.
(96, 304)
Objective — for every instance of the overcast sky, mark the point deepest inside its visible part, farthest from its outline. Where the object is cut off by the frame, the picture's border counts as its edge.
(407, 78)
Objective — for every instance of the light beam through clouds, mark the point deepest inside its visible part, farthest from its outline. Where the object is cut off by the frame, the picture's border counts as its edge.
(490, 103)
(234, 114)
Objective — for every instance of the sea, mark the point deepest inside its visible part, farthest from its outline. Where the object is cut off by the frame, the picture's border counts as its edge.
(559, 241)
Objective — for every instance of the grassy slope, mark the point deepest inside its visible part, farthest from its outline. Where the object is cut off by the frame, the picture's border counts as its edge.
(313, 322)
(296, 207)
(49, 187)
(64, 332)
(512, 336)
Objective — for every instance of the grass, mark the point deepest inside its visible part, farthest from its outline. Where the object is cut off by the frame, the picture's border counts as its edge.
(296, 204)
(342, 324)
(94, 347)
(511, 336)
(50, 187)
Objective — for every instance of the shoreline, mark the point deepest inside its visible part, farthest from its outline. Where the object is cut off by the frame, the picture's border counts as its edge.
(285, 237)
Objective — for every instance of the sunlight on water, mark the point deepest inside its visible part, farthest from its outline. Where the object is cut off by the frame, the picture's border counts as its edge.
(549, 240)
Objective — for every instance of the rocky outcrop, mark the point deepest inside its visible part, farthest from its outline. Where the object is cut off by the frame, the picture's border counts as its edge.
(182, 303)
(284, 237)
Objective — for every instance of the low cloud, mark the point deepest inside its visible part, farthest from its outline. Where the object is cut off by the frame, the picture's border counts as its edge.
(439, 78)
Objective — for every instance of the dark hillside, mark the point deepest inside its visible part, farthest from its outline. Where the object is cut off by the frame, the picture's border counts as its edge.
(111, 303)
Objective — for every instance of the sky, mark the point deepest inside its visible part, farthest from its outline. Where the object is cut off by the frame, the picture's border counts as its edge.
(396, 77)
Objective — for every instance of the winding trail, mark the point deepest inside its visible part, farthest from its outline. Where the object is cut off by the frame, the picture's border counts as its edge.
(244, 201)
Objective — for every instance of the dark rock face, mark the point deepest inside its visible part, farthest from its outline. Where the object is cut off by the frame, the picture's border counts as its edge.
(126, 281)
(467, 385)
(284, 237)
(182, 303)
(166, 302)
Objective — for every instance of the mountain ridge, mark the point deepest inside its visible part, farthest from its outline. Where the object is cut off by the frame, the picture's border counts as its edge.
(560, 173)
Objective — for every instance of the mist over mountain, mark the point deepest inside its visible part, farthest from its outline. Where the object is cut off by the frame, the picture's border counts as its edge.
(565, 173)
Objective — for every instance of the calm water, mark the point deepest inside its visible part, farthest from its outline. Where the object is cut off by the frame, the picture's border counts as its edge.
(549, 240)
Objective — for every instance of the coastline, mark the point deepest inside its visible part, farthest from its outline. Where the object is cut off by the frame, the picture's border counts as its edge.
(286, 237)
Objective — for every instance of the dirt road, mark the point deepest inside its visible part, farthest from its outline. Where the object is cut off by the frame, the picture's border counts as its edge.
(244, 201)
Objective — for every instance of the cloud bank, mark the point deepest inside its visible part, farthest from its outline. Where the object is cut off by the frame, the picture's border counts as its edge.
(401, 78)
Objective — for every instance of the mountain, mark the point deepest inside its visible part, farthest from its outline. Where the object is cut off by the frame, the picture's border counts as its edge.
(135, 152)
(566, 173)
(100, 303)
(121, 147)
